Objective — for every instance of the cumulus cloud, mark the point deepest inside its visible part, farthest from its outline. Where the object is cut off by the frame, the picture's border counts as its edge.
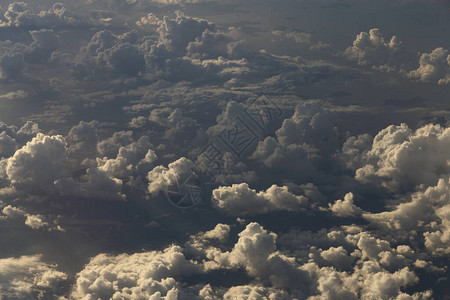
(433, 67)
(134, 157)
(172, 76)
(346, 207)
(426, 215)
(28, 277)
(17, 214)
(142, 275)
(161, 178)
(371, 269)
(42, 167)
(35, 167)
(110, 146)
(44, 43)
(150, 20)
(15, 55)
(255, 292)
(209, 45)
(401, 159)
(241, 200)
(94, 184)
(176, 33)
(109, 52)
(358, 266)
(302, 140)
(371, 49)
(19, 14)
(177, 126)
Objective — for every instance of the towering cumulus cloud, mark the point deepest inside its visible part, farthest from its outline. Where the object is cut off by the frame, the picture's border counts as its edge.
(400, 158)
(433, 66)
(371, 49)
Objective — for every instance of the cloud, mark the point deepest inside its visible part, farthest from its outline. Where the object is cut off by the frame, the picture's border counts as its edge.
(311, 123)
(176, 33)
(19, 14)
(179, 128)
(136, 157)
(161, 89)
(11, 66)
(82, 139)
(371, 49)
(161, 178)
(401, 159)
(17, 214)
(150, 20)
(28, 277)
(142, 275)
(256, 292)
(36, 166)
(426, 214)
(107, 52)
(14, 96)
(16, 56)
(433, 67)
(44, 44)
(42, 168)
(302, 141)
(209, 45)
(240, 200)
(297, 36)
(94, 184)
(345, 208)
(110, 147)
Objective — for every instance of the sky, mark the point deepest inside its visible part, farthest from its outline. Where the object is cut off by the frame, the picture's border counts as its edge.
(206, 149)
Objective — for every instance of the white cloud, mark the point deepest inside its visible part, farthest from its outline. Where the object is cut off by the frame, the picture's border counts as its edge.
(433, 67)
(255, 292)
(161, 178)
(36, 166)
(150, 20)
(28, 277)
(136, 157)
(425, 214)
(401, 159)
(371, 49)
(110, 147)
(42, 167)
(241, 200)
(147, 275)
(345, 208)
(118, 55)
(13, 96)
